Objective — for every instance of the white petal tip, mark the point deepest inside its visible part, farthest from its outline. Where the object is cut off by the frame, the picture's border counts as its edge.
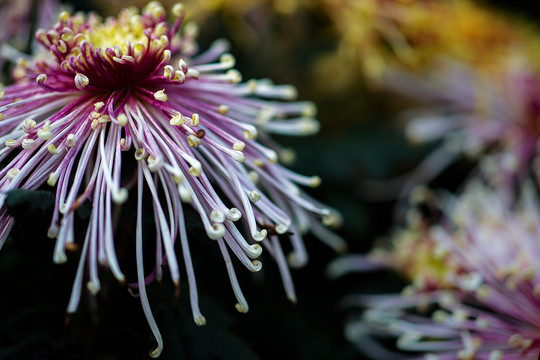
(234, 214)
(257, 266)
(256, 250)
(216, 231)
(295, 260)
(239, 146)
(177, 9)
(81, 81)
(200, 320)
(260, 236)
(156, 352)
(242, 308)
(93, 287)
(281, 228)
(195, 170)
(254, 196)
(160, 95)
(122, 119)
(185, 194)
(332, 219)
(309, 127)
(310, 110)
(120, 196)
(217, 216)
(60, 258)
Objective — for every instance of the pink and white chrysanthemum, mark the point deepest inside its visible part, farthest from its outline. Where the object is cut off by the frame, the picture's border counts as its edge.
(130, 90)
(486, 308)
(494, 120)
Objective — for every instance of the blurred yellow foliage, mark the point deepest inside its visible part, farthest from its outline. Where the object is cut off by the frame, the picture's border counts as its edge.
(416, 33)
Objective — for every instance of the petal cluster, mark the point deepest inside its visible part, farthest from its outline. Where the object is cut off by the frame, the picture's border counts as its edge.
(124, 107)
(485, 306)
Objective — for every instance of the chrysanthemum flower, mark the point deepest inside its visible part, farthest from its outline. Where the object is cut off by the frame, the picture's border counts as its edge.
(492, 121)
(126, 91)
(483, 307)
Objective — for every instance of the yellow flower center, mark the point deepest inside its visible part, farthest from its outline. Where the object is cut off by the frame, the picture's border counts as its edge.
(128, 27)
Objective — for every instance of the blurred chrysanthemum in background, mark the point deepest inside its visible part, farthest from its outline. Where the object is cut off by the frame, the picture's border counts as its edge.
(19, 19)
(471, 75)
(474, 283)
(123, 107)
(469, 72)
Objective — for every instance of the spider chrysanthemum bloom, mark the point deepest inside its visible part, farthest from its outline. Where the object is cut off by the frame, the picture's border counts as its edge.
(487, 305)
(129, 90)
